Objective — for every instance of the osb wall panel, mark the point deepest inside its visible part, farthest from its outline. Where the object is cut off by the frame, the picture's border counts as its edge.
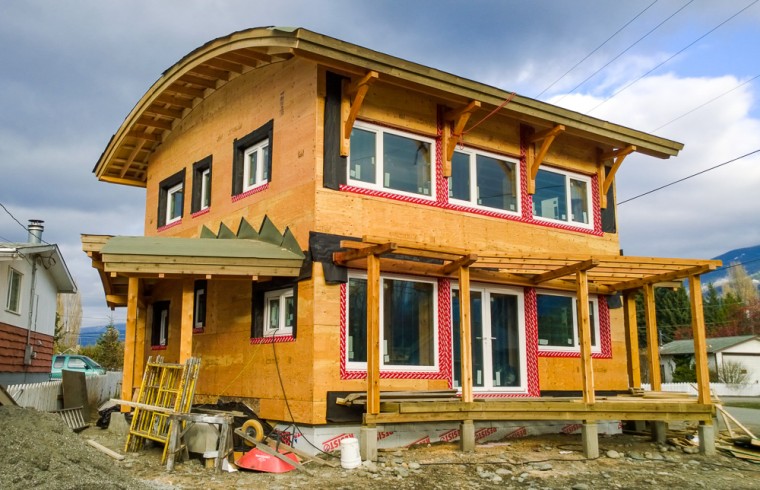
(285, 92)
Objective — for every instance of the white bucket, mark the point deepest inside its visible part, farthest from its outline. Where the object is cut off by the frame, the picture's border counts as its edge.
(349, 453)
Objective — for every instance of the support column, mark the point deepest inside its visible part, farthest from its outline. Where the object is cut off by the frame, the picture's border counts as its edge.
(653, 341)
(140, 336)
(584, 321)
(186, 323)
(632, 338)
(700, 344)
(373, 335)
(706, 433)
(659, 431)
(368, 443)
(127, 381)
(465, 338)
(590, 439)
(467, 436)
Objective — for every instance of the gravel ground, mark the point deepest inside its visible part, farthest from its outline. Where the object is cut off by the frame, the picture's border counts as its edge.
(38, 451)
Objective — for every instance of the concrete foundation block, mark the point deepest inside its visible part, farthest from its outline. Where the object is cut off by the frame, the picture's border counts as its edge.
(590, 439)
(467, 436)
(118, 424)
(706, 434)
(368, 443)
(201, 438)
(659, 431)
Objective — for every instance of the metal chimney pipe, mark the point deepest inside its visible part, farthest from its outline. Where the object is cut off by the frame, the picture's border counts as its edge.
(35, 229)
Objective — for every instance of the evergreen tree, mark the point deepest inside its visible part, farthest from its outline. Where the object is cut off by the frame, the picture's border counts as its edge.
(109, 350)
(716, 314)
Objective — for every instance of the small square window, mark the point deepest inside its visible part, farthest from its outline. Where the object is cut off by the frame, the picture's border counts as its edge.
(201, 198)
(280, 312)
(252, 160)
(563, 196)
(171, 199)
(13, 300)
(256, 167)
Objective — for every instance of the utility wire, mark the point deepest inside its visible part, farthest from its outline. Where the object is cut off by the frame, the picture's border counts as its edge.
(595, 50)
(623, 52)
(19, 222)
(704, 104)
(690, 176)
(670, 58)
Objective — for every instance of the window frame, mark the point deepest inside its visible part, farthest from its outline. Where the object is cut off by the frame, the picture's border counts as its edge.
(159, 328)
(259, 179)
(200, 305)
(14, 286)
(170, 192)
(240, 148)
(472, 155)
(568, 176)
(379, 181)
(201, 185)
(596, 346)
(395, 368)
(282, 296)
(165, 187)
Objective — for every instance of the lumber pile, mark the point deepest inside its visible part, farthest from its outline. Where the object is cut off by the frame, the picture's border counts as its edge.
(743, 446)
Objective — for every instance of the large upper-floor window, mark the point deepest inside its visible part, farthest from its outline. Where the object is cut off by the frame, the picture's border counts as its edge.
(252, 160)
(388, 160)
(558, 328)
(408, 333)
(484, 180)
(201, 198)
(13, 299)
(171, 199)
(563, 196)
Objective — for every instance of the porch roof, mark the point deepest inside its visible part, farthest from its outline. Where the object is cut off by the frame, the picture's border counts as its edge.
(607, 274)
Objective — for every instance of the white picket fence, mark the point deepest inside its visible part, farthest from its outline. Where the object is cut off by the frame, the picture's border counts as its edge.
(719, 389)
(45, 396)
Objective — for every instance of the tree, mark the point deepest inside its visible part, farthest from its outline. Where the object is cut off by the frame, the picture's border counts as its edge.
(110, 350)
(730, 372)
(740, 284)
(68, 321)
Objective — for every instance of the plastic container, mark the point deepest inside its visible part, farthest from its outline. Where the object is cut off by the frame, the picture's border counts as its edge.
(349, 453)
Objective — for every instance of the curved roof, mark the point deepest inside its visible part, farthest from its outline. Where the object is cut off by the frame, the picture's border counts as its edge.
(209, 67)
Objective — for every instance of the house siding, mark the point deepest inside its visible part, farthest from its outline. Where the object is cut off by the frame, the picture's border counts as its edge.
(13, 341)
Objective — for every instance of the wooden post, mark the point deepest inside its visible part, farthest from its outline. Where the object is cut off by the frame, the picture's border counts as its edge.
(700, 344)
(373, 334)
(584, 322)
(186, 323)
(632, 338)
(127, 382)
(140, 336)
(465, 334)
(653, 341)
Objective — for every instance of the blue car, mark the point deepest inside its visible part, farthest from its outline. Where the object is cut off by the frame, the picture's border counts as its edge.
(72, 362)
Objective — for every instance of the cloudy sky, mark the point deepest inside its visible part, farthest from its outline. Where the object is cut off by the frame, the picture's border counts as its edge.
(71, 71)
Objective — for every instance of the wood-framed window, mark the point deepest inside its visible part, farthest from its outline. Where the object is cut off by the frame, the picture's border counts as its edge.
(159, 330)
(563, 196)
(280, 312)
(201, 198)
(388, 160)
(558, 329)
(13, 298)
(408, 323)
(497, 326)
(171, 199)
(274, 309)
(199, 305)
(252, 160)
(485, 180)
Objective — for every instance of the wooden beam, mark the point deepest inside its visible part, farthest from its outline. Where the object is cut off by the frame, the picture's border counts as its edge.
(360, 253)
(178, 88)
(700, 342)
(373, 335)
(565, 271)
(117, 299)
(208, 71)
(465, 334)
(464, 261)
(535, 158)
(584, 322)
(200, 81)
(160, 110)
(145, 136)
(632, 339)
(155, 123)
(183, 102)
(605, 179)
(653, 341)
(127, 381)
(664, 277)
(351, 102)
(224, 65)
(186, 322)
(458, 118)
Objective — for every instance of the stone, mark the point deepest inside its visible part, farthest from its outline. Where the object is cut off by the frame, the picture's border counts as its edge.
(654, 456)
(694, 462)
(402, 472)
(691, 449)
(543, 466)
(580, 486)
(503, 472)
(613, 454)
(414, 466)
(636, 455)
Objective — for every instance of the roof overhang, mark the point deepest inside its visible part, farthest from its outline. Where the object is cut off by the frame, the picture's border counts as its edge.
(49, 257)
(208, 68)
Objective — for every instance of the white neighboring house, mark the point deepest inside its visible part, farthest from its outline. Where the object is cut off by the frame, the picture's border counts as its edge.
(32, 274)
(744, 349)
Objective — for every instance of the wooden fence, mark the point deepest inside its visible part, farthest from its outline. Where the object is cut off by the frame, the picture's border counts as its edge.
(46, 396)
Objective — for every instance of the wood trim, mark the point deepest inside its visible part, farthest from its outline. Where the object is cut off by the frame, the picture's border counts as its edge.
(534, 158)
(700, 343)
(653, 346)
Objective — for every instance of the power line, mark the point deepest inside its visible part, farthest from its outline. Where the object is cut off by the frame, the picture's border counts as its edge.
(624, 51)
(595, 50)
(670, 58)
(690, 176)
(19, 222)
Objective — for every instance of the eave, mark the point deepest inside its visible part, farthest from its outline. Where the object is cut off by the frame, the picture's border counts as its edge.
(208, 68)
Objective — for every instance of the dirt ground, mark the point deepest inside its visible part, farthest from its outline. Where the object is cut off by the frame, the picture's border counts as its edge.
(38, 451)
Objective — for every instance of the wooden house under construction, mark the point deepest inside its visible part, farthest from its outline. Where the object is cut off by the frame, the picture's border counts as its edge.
(323, 219)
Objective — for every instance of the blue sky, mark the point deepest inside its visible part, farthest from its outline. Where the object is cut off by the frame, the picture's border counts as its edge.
(71, 72)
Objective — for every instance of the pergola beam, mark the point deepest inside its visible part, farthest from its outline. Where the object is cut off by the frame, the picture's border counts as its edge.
(565, 271)
(464, 261)
(361, 253)
(664, 277)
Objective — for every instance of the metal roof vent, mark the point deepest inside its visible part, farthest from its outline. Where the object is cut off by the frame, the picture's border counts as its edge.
(35, 230)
